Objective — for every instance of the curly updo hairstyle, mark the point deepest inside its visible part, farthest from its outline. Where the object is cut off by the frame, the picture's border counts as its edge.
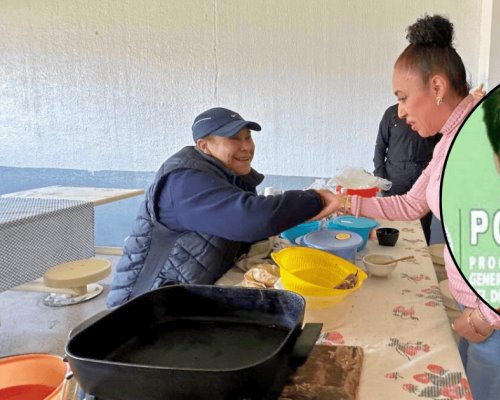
(491, 108)
(431, 51)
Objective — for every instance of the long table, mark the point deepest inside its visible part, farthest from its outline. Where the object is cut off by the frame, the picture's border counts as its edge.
(401, 324)
(46, 226)
(36, 234)
(98, 196)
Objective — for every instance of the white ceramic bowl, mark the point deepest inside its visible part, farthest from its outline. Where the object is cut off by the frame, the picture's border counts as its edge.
(373, 266)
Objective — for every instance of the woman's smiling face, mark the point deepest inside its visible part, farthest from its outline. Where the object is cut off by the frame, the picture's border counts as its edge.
(235, 152)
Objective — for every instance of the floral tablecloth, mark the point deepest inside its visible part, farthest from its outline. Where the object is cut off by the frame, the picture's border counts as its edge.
(401, 324)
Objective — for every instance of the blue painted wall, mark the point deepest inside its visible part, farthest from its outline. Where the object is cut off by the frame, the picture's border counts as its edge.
(114, 220)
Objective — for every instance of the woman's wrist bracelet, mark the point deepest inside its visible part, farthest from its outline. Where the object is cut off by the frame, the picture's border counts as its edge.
(346, 208)
(471, 324)
(481, 316)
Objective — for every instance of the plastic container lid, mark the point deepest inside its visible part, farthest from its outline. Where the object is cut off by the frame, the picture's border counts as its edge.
(361, 226)
(356, 223)
(331, 240)
(300, 230)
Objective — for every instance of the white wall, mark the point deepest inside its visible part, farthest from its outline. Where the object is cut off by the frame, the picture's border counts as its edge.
(115, 85)
(494, 60)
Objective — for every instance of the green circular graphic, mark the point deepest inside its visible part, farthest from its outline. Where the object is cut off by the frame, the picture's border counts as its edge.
(470, 207)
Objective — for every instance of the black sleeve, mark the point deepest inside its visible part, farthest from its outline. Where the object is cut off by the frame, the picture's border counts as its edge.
(381, 145)
(203, 202)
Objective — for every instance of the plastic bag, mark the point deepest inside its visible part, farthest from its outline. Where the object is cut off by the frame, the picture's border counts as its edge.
(357, 178)
(319, 184)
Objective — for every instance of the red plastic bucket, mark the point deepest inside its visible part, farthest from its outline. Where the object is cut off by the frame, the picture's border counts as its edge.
(32, 377)
(367, 192)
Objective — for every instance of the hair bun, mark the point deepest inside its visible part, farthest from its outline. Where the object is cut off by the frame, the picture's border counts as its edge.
(432, 30)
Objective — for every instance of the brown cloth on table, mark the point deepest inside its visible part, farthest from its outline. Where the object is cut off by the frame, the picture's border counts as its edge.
(330, 372)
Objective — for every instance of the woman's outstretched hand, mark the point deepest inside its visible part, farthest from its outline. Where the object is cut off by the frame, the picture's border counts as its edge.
(331, 203)
(478, 92)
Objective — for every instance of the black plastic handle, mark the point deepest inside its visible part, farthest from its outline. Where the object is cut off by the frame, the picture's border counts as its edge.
(305, 343)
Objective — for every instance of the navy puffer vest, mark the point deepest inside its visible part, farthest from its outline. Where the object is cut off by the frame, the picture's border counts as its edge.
(177, 257)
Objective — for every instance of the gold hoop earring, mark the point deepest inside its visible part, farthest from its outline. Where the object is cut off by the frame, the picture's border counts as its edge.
(439, 100)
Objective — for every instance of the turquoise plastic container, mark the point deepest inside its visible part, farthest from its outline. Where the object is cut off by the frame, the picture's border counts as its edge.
(362, 226)
(300, 230)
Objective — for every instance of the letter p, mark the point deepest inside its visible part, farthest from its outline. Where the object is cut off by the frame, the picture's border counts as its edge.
(478, 225)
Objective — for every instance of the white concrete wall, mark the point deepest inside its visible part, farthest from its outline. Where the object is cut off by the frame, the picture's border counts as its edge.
(115, 85)
(494, 53)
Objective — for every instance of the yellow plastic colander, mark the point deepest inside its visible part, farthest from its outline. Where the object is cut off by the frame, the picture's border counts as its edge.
(313, 272)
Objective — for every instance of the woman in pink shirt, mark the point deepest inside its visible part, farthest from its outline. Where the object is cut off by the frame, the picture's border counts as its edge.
(429, 81)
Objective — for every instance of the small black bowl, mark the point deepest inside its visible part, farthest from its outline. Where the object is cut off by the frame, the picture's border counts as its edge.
(387, 236)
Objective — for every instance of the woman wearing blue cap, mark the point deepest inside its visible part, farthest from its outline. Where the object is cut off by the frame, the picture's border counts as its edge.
(202, 211)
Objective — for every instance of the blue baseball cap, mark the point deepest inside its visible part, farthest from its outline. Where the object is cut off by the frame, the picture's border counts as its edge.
(221, 122)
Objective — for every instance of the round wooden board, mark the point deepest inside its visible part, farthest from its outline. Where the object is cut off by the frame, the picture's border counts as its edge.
(77, 273)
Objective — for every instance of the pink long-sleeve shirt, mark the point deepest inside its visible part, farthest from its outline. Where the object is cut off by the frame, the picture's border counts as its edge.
(425, 196)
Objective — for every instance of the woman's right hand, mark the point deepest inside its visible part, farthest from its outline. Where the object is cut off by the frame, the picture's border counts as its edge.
(478, 93)
(331, 203)
(471, 327)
